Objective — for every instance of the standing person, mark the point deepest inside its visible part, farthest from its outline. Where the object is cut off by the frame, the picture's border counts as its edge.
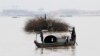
(41, 35)
(73, 35)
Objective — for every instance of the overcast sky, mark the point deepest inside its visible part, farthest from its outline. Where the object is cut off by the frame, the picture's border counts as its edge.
(49, 5)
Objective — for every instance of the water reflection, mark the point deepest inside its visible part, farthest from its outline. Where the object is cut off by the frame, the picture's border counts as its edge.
(69, 51)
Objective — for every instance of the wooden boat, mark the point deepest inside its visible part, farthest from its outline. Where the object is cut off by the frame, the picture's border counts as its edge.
(67, 42)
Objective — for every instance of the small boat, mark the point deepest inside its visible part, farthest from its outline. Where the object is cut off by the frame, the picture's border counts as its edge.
(15, 17)
(66, 42)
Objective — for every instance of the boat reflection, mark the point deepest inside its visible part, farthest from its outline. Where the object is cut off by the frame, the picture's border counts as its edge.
(69, 51)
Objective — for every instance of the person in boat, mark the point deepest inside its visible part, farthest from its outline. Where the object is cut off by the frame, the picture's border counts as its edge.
(73, 35)
(67, 40)
(41, 35)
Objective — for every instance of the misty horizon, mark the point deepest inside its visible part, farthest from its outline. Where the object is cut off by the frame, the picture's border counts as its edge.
(62, 13)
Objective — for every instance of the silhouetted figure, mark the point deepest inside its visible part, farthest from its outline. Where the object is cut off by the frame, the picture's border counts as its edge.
(67, 40)
(73, 35)
(41, 35)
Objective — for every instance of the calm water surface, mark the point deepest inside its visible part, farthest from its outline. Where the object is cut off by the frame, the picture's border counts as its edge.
(15, 42)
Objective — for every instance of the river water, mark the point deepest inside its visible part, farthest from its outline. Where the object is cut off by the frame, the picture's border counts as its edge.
(15, 42)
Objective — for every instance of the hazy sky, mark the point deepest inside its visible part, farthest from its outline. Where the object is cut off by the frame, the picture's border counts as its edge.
(49, 5)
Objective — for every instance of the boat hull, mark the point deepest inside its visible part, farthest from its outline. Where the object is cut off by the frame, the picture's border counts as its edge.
(42, 45)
